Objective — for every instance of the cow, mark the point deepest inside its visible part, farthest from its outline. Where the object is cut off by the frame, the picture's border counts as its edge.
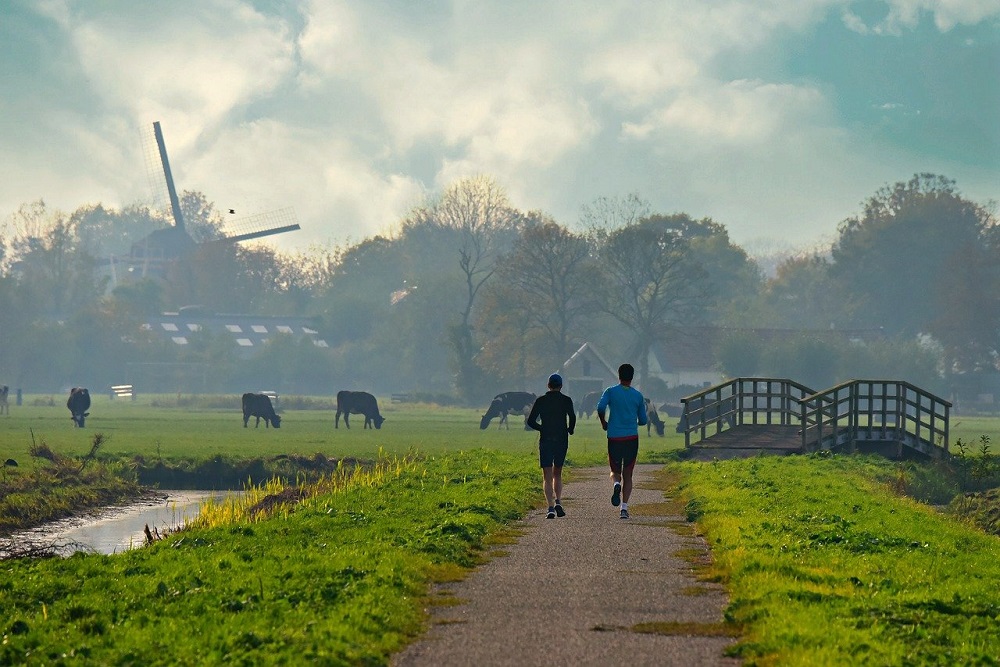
(78, 404)
(358, 403)
(588, 405)
(259, 406)
(653, 419)
(4, 405)
(502, 404)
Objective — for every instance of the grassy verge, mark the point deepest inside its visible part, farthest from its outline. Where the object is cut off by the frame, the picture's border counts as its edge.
(826, 566)
(335, 578)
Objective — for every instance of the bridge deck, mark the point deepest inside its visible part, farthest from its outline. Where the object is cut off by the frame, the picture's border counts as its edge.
(749, 440)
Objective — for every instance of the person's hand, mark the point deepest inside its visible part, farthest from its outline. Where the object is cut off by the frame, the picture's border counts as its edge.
(604, 425)
(571, 432)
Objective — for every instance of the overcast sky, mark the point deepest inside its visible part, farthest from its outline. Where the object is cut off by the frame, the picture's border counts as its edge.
(776, 118)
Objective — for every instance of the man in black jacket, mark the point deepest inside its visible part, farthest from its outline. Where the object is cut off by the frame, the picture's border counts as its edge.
(558, 421)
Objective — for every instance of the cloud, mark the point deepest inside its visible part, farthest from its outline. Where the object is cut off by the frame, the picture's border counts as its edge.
(351, 111)
(191, 64)
(905, 15)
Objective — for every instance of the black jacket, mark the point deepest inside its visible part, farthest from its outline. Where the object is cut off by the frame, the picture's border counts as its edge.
(557, 414)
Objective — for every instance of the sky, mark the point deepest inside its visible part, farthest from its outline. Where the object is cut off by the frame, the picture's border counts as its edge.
(775, 118)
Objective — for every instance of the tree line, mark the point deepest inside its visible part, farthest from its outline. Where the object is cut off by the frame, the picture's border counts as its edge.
(469, 295)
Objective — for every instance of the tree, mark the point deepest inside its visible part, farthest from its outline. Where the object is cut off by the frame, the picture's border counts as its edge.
(544, 286)
(651, 284)
(893, 256)
(731, 277)
(478, 210)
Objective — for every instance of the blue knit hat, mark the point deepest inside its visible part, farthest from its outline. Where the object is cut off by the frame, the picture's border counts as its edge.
(555, 380)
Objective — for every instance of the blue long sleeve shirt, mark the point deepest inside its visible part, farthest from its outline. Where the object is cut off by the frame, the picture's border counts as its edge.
(628, 410)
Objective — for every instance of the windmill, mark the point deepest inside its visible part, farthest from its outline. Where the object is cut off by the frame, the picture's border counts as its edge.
(151, 254)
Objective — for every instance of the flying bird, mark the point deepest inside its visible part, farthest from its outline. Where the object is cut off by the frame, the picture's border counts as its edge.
(232, 210)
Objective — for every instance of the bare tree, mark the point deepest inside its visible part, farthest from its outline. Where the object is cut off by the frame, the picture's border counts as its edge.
(478, 210)
(548, 278)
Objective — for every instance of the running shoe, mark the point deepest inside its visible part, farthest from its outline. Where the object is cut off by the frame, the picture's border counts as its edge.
(560, 511)
(616, 496)
(625, 513)
(551, 514)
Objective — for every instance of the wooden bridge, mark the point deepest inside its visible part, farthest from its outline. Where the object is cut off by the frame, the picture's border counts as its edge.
(750, 416)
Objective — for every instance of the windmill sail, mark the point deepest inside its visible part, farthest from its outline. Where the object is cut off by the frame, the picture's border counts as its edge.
(175, 204)
(262, 224)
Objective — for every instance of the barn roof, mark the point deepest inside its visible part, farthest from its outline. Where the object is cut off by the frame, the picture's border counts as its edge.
(249, 332)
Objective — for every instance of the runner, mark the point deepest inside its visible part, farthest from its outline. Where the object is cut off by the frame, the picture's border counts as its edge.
(558, 422)
(628, 413)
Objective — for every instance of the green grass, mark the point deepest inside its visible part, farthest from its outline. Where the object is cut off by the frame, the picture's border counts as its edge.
(339, 579)
(826, 566)
(184, 433)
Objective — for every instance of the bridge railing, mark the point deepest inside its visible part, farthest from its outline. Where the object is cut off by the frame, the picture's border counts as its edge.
(873, 410)
(758, 401)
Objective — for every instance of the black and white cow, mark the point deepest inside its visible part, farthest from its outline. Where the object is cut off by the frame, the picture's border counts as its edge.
(588, 405)
(502, 404)
(259, 406)
(78, 404)
(653, 419)
(358, 403)
(4, 405)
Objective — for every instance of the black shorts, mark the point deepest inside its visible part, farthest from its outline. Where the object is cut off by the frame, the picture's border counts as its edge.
(622, 453)
(552, 453)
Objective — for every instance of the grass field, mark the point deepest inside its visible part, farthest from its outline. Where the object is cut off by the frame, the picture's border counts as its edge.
(140, 428)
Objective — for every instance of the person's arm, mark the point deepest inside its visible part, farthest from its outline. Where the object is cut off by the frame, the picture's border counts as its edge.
(571, 411)
(532, 420)
(643, 417)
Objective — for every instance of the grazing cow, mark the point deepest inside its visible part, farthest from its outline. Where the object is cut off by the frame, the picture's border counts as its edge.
(259, 406)
(358, 403)
(588, 405)
(78, 404)
(509, 401)
(654, 419)
(4, 405)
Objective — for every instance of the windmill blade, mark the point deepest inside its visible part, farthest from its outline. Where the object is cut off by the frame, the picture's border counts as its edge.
(161, 179)
(260, 225)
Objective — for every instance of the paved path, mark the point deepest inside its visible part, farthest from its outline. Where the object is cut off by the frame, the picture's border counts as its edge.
(571, 588)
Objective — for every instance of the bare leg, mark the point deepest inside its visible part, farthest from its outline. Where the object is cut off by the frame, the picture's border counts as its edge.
(557, 482)
(626, 483)
(548, 485)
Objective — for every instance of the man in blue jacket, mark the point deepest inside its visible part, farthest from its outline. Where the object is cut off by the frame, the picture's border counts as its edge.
(558, 421)
(628, 413)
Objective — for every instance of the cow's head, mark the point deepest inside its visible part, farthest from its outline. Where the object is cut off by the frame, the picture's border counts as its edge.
(276, 421)
(79, 419)
(491, 412)
(377, 420)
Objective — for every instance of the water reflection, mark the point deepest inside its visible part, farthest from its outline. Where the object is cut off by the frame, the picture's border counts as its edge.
(119, 529)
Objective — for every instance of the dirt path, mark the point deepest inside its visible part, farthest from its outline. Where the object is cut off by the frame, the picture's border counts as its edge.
(571, 590)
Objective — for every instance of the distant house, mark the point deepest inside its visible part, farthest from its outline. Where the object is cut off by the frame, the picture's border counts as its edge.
(587, 370)
(687, 358)
(248, 332)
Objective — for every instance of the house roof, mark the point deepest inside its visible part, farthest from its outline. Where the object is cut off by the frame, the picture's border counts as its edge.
(588, 350)
(249, 332)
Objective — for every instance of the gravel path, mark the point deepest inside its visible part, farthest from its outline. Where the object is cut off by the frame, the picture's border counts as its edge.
(570, 590)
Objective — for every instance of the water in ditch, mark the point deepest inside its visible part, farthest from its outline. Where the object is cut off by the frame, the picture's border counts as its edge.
(117, 529)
